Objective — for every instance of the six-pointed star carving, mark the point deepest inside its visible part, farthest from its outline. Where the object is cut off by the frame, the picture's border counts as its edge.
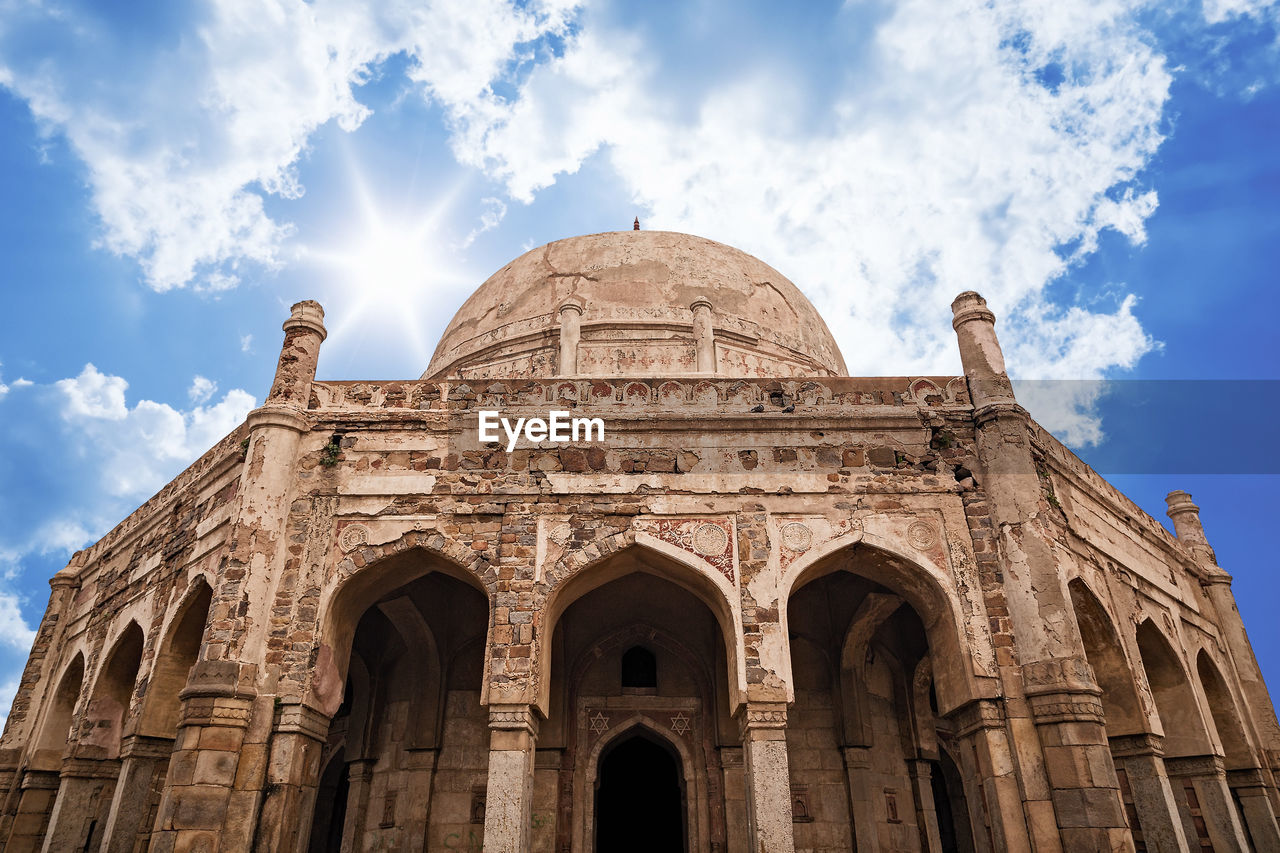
(599, 722)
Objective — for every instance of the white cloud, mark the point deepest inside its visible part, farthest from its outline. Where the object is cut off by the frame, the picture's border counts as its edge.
(958, 163)
(1218, 11)
(14, 632)
(138, 449)
(490, 218)
(201, 389)
(246, 343)
(8, 690)
(93, 394)
(182, 143)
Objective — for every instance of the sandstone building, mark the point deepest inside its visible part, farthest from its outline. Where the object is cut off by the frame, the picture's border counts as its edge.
(776, 608)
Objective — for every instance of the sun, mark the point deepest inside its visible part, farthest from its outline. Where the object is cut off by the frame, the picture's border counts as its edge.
(389, 264)
(386, 266)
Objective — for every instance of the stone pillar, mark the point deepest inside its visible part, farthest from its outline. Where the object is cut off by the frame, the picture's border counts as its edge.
(144, 762)
(219, 766)
(1060, 690)
(20, 726)
(1208, 812)
(704, 336)
(926, 810)
(1258, 711)
(508, 814)
(764, 744)
(295, 371)
(292, 778)
(1250, 789)
(200, 808)
(37, 792)
(570, 335)
(83, 790)
(857, 768)
(1141, 757)
(980, 727)
(420, 767)
(359, 778)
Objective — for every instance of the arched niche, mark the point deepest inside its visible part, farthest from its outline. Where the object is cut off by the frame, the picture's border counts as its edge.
(923, 588)
(346, 604)
(1226, 717)
(177, 654)
(1179, 713)
(861, 734)
(409, 719)
(649, 558)
(112, 695)
(56, 727)
(1120, 703)
(640, 726)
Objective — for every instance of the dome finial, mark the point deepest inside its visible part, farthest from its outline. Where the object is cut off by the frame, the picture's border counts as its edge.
(635, 226)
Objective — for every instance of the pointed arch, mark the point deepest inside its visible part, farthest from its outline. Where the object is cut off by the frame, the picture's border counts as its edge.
(646, 555)
(55, 729)
(923, 587)
(637, 724)
(1121, 706)
(112, 697)
(392, 566)
(177, 654)
(1176, 706)
(1225, 715)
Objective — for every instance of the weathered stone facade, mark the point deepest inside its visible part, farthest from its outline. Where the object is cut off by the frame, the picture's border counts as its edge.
(774, 609)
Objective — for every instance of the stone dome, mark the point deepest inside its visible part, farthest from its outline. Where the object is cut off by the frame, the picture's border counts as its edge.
(636, 303)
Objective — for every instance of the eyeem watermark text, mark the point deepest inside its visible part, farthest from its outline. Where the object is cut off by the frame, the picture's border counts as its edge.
(559, 427)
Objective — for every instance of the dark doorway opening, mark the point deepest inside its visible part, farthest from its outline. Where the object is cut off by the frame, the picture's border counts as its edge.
(950, 806)
(640, 799)
(331, 807)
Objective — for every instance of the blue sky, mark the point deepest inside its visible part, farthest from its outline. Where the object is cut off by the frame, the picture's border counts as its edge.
(176, 174)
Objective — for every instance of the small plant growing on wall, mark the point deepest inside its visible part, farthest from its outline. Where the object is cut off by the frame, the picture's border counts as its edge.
(329, 453)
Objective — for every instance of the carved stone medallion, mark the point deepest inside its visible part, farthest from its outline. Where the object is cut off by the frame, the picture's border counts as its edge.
(353, 536)
(921, 534)
(796, 537)
(560, 533)
(710, 540)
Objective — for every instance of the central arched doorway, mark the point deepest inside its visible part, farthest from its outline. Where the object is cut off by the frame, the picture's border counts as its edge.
(635, 653)
(640, 798)
(405, 763)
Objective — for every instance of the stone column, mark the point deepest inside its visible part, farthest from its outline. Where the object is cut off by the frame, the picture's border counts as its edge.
(360, 778)
(980, 726)
(1208, 812)
(1142, 759)
(508, 814)
(857, 768)
(1061, 692)
(420, 767)
(570, 335)
(292, 778)
(85, 784)
(144, 762)
(1250, 787)
(20, 732)
(704, 336)
(926, 810)
(199, 808)
(37, 793)
(764, 745)
(1258, 712)
(219, 766)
